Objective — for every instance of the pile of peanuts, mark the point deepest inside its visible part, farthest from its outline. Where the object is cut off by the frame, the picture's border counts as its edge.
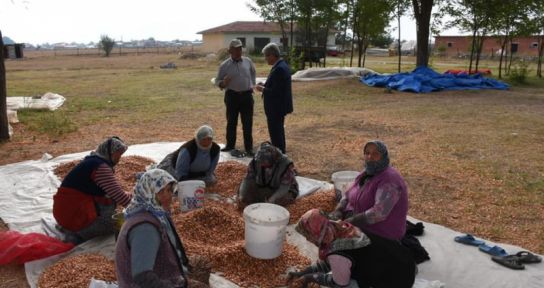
(77, 271)
(215, 231)
(125, 170)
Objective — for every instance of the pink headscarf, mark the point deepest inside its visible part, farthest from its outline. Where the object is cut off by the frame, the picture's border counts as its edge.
(328, 235)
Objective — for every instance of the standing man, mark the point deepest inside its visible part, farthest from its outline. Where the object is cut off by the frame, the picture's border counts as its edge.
(277, 96)
(237, 76)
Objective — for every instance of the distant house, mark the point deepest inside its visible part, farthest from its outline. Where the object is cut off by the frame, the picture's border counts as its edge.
(12, 50)
(253, 34)
(461, 45)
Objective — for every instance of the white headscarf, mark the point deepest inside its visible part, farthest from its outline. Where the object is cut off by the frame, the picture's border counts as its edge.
(202, 132)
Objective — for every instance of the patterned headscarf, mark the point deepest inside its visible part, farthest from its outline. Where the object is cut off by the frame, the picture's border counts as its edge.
(108, 147)
(201, 133)
(145, 195)
(268, 155)
(375, 167)
(330, 236)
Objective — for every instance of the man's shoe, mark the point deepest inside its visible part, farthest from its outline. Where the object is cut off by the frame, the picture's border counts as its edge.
(227, 149)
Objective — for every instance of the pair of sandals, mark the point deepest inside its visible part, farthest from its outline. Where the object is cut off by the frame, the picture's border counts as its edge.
(517, 260)
(499, 255)
(468, 239)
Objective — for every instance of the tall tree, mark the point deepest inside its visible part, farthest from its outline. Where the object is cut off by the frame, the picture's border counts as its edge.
(422, 13)
(537, 17)
(401, 7)
(4, 125)
(372, 20)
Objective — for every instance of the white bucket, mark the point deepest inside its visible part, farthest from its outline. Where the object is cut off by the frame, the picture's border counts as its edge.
(343, 179)
(190, 194)
(265, 226)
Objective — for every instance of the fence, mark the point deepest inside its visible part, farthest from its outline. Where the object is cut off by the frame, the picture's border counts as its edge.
(119, 51)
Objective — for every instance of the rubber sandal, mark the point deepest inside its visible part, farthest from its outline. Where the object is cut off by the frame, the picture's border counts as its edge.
(528, 257)
(493, 250)
(468, 239)
(510, 261)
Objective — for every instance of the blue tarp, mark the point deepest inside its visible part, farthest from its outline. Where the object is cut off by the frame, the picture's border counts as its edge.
(424, 79)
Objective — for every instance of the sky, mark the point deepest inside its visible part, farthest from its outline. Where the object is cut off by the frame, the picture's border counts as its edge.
(84, 21)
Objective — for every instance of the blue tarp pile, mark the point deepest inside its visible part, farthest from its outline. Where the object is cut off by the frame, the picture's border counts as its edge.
(423, 80)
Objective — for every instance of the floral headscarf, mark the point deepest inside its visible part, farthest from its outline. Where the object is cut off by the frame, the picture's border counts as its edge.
(145, 195)
(330, 236)
(201, 133)
(108, 147)
(375, 167)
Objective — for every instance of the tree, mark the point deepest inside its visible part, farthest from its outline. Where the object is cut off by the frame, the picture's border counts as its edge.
(401, 6)
(4, 125)
(537, 11)
(382, 40)
(106, 43)
(422, 13)
(279, 11)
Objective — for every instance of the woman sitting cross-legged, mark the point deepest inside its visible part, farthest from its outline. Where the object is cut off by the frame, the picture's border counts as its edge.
(351, 258)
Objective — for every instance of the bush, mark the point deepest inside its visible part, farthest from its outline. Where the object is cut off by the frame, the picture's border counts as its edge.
(519, 71)
(106, 43)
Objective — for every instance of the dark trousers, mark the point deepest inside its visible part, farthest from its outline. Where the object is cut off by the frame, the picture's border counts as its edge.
(276, 130)
(239, 103)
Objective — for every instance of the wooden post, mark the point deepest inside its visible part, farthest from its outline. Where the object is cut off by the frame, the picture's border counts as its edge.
(4, 125)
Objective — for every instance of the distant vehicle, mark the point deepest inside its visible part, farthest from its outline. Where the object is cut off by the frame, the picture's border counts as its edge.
(333, 51)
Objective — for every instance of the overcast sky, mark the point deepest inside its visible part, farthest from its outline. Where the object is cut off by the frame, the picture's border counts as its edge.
(83, 21)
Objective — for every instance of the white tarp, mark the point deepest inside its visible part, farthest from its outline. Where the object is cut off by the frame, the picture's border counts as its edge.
(26, 195)
(49, 101)
(315, 74)
(318, 73)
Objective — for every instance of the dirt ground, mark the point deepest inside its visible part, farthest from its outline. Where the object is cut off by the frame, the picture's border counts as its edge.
(473, 160)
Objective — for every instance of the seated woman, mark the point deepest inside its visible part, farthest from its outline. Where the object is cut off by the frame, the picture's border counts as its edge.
(87, 197)
(353, 256)
(195, 159)
(149, 252)
(377, 201)
(270, 178)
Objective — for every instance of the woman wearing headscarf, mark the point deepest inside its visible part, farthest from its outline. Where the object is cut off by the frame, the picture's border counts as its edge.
(195, 159)
(377, 201)
(270, 178)
(87, 197)
(149, 252)
(351, 258)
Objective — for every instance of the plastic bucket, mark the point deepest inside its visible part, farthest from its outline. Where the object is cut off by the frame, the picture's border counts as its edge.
(265, 226)
(343, 179)
(190, 194)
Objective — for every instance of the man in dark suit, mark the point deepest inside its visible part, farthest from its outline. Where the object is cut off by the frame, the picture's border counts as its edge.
(277, 95)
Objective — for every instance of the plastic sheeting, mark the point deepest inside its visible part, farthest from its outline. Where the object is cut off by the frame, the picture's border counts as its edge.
(316, 74)
(26, 205)
(49, 101)
(423, 80)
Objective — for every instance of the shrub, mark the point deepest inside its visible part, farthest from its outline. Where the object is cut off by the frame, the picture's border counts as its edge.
(106, 43)
(519, 71)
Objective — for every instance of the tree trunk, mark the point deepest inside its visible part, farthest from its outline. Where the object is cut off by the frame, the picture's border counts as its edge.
(422, 13)
(398, 22)
(503, 46)
(4, 125)
(479, 50)
(540, 55)
(472, 51)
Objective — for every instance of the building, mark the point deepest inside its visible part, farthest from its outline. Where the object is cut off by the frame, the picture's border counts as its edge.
(461, 45)
(12, 50)
(253, 34)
